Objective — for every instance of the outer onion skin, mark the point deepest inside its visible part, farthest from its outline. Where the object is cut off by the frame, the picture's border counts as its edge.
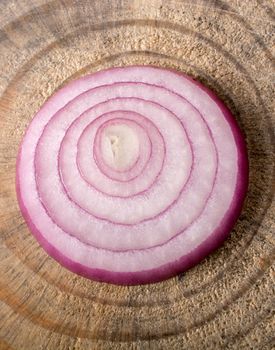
(171, 268)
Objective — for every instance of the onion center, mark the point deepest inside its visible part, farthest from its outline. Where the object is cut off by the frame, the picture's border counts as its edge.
(119, 146)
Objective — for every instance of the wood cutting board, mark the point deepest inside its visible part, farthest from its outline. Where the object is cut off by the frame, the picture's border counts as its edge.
(227, 301)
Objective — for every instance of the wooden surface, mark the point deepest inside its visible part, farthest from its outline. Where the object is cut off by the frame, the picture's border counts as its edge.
(226, 302)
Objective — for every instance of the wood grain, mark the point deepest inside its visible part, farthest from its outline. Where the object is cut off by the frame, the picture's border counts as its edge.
(227, 301)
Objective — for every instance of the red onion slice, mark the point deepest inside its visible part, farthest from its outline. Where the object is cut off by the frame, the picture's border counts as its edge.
(131, 175)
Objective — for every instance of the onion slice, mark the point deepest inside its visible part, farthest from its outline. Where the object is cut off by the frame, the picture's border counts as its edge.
(132, 175)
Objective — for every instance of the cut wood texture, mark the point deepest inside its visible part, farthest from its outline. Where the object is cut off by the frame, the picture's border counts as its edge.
(227, 301)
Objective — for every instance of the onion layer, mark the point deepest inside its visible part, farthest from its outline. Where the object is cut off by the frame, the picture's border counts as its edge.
(131, 175)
